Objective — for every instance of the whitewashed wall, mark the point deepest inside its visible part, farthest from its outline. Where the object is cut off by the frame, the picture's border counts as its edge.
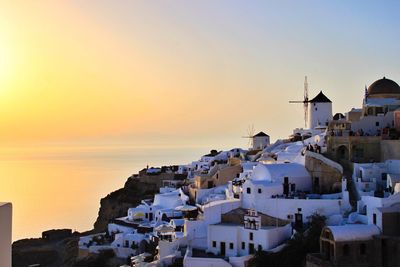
(5, 234)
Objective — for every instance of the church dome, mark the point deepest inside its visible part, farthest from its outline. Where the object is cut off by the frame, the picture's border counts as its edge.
(383, 86)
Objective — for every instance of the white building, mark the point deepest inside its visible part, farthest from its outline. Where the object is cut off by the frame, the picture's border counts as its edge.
(371, 177)
(5, 234)
(196, 230)
(370, 208)
(280, 190)
(381, 101)
(275, 176)
(234, 240)
(319, 111)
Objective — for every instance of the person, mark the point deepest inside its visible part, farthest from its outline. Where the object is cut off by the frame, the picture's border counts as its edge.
(311, 148)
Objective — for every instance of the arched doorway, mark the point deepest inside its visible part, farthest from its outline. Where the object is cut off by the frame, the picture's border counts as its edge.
(342, 153)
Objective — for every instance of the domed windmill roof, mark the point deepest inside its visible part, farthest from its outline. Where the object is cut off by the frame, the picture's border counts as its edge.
(260, 134)
(383, 86)
(320, 98)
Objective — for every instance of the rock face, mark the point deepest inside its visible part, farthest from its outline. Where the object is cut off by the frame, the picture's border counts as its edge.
(117, 203)
(62, 252)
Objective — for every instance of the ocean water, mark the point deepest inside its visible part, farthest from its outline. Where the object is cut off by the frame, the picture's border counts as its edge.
(61, 187)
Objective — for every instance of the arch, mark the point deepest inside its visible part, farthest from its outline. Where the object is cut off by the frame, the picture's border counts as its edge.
(165, 218)
(342, 153)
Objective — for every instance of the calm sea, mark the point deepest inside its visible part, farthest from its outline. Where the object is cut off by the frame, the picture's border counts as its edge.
(62, 187)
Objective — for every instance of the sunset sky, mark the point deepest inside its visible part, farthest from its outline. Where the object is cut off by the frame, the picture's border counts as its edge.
(182, 73)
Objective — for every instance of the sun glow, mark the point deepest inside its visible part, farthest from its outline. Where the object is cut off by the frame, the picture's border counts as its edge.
(6, 65)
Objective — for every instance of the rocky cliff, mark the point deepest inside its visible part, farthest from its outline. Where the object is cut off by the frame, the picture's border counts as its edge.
(47, 253)
(118, 202)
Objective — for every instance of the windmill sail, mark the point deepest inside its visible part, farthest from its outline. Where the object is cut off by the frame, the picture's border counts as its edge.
(250, 135)
(305, 101)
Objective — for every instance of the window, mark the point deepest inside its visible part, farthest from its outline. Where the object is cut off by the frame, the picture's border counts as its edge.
(243, 245)
(363, 249)
(248, 189)
(345, 250)
(259, 190)
(359, 153)
(251, 236)
(214, 244)
(230, 245)
(377, 123)
(374, 218)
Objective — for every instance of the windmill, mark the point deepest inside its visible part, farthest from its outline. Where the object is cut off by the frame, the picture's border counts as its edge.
(250, 135)
(305, 101)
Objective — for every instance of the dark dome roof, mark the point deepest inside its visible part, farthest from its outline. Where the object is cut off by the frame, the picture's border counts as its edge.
(384, 86)
(338, 116)
(261, 134)
(320, 98)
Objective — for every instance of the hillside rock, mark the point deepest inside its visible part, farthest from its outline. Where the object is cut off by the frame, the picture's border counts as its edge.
(53, 253)
(117, 203)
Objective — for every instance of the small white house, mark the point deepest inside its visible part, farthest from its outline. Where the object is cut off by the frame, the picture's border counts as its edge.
(5, 234)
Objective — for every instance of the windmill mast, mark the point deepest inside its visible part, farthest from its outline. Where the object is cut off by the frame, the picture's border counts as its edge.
(305, 101)
(250, 135)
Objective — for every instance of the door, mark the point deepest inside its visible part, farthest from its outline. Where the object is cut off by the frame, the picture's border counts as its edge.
(222, 249)
(316, 185)
(251, 248)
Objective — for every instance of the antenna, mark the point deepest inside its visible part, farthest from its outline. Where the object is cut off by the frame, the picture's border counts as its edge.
(305, 101)
(250, 135)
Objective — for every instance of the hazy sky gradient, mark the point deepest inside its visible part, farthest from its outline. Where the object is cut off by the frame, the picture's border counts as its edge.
(179, 73)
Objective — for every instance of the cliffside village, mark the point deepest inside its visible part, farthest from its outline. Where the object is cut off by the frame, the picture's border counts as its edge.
(226, 206)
